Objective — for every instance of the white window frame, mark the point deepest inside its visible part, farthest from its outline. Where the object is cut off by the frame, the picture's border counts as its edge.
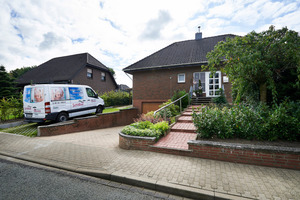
(178, 79)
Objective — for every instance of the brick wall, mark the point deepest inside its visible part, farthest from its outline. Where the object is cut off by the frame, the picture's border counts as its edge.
(121, 118)
(135, 143)
(282, 157)
(159, 85)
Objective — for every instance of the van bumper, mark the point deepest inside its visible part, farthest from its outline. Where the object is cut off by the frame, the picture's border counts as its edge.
(50, 116)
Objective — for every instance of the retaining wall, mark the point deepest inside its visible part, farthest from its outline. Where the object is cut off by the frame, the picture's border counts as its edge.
(272, 156)
(120, 118)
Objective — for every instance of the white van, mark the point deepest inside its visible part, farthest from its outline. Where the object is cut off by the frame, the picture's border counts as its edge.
(58, 102)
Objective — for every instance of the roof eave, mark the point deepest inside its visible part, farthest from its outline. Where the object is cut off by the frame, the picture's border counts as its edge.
(166, 66)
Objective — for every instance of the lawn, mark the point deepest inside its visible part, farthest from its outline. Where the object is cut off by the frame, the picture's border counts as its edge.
(116, 109)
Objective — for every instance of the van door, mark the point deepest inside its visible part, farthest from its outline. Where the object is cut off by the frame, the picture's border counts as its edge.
(78, 102)
(91, 99)
(34, 102)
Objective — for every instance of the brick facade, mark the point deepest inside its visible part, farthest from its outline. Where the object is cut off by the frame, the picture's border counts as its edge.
(95, 82)
(157, 86)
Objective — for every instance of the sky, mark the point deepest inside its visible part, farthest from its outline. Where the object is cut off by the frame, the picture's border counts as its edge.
(121, 32)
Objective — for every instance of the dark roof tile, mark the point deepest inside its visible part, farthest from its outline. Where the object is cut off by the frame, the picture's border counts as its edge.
(60, 68)
(179, 54)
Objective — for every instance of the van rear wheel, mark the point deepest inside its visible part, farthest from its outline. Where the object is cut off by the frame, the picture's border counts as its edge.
(99, 109)
(62, 117)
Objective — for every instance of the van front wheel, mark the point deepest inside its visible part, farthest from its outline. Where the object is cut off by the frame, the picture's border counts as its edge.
(99, 109)
(62, 117)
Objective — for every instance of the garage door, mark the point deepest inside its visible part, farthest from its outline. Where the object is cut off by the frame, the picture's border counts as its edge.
(148, 106)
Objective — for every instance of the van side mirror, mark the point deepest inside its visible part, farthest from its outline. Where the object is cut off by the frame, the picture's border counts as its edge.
(96, 96)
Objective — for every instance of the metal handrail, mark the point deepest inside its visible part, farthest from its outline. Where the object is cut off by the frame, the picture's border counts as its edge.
(164, 107)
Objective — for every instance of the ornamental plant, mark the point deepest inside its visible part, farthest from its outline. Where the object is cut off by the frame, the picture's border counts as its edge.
(146, 129)
(280, 122)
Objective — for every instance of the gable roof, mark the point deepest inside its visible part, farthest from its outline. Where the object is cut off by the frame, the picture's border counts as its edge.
(61, 69)
(179, 54)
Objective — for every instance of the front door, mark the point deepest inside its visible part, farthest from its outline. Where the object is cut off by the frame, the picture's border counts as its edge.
(214, 84)
(210, 83)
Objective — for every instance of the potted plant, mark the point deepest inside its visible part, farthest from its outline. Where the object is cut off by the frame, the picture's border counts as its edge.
(199, 91)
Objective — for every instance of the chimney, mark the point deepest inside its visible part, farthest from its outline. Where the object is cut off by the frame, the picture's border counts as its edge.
(198, 36)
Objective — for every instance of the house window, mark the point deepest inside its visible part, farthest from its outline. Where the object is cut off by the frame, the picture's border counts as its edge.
(89, 73)
(181, 78)
(103, 76)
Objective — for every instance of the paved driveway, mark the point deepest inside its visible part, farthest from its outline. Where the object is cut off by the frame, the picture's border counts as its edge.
(104, 138)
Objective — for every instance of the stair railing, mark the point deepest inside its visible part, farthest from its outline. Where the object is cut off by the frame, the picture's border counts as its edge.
(164, 107)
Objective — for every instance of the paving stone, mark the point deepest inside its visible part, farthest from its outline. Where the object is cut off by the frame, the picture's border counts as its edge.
(98, 150)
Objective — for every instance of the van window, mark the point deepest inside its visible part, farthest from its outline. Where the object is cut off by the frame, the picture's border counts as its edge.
(58, 94)
(75, 93)
(91, 93)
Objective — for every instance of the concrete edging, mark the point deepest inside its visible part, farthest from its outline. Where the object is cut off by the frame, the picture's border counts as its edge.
(12, 124)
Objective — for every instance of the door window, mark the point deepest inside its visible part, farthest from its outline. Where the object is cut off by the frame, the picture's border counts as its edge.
(90, 93)
(214, 84)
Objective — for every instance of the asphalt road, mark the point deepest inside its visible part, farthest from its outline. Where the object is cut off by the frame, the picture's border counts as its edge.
(21, 180)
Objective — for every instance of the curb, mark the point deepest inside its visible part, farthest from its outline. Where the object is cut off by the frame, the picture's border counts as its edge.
(12, 124)
(161, 186)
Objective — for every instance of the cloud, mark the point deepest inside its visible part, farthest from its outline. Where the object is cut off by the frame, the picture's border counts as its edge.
(155, 26)
(51, 40)
(119, 33)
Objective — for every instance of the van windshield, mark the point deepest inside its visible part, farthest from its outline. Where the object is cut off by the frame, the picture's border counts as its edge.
(34, 95)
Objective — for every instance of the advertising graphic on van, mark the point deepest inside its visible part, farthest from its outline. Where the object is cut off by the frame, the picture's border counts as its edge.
(75, 93)
(27, 95)
(37, 96)
(58, 94)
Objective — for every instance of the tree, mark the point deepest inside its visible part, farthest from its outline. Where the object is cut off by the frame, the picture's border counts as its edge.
(17, 73)
(112, 71)
(7, 88)
(260, 63)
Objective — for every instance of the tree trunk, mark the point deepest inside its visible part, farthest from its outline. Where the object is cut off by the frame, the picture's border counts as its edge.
(263, 92)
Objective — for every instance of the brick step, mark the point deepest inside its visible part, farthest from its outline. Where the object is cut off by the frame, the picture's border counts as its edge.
(187, 119)
(201, 100)
(175, 140)
(184, 127)
(187, 113)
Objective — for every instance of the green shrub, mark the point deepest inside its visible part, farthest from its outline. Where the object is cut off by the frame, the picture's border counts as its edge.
(220, 99)
(248, 122)
(11, 108)
(149, 117)
(116, 98)
(177, 95)
(131, 130)
(171, 110)
(161, 127)
(146, 129)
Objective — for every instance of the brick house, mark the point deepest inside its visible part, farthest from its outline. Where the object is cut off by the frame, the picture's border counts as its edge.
(81, 69)
(176, 67)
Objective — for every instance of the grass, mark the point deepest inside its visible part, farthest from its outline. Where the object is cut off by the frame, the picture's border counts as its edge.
(29, 130)
(116, 109)
(110, 110)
